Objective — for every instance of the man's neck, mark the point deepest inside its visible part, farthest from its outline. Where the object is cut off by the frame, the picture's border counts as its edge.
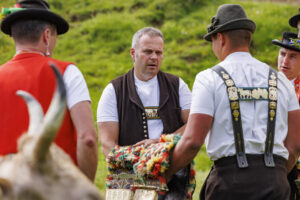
(142, 77)
(30, 48)
(229, 51)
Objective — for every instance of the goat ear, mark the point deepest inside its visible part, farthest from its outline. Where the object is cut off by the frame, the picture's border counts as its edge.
(5, 189)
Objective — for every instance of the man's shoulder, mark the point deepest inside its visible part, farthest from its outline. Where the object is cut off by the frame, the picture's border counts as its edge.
(4, 65)
(60, 62)
(120, 78)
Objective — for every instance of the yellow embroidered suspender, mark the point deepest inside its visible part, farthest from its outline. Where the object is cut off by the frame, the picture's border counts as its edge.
(245, 94)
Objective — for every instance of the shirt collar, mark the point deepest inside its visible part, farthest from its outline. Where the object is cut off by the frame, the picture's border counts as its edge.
(241, 55)
(137, 80)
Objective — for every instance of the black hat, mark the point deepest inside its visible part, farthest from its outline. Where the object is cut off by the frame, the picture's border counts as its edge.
(294, 20)
(34, 9)
(229, 17)
(289, 41)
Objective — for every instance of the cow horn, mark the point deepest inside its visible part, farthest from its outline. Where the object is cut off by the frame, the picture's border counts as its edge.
(35, 110)
(53, 118)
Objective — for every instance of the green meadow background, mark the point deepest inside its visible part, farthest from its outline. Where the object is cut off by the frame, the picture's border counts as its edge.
(99, 41)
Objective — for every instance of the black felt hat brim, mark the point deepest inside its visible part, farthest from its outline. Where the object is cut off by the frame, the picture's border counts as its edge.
(232, 25)
(294, 20)
(32, 13)
(278, 43)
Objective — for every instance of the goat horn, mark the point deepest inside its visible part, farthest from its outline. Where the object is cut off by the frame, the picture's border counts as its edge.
(36, 114)
(53, 118)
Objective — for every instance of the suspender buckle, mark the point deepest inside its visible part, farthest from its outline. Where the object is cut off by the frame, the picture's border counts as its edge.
(242, 160)
(269, 160)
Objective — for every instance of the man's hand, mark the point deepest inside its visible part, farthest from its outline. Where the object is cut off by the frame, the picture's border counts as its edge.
(146, 142)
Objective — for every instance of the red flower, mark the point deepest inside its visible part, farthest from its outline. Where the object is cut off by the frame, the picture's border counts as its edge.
(17, 5)
(193, 173)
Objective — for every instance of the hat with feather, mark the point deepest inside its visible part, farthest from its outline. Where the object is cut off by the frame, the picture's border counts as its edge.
(32, 9)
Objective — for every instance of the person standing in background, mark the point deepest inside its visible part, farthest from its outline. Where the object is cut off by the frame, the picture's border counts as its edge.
(136, 108)
(34, 29)
(295, 22)
(289, 64)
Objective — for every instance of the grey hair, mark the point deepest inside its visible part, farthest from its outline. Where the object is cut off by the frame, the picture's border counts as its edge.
(145, 31)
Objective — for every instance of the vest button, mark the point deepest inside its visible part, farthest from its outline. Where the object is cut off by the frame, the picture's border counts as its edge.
(144, 122)
(145, 136)
(145, 127)
(143, 114)
(144, 117)
(145, 131)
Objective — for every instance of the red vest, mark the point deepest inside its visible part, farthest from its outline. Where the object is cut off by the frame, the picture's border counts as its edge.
(30, 72)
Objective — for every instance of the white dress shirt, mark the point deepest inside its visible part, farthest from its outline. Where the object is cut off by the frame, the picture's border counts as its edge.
(209, 97)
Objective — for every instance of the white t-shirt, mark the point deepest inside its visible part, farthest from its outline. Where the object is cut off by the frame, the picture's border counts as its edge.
(210, 97)
(76, 87)
(148, 92)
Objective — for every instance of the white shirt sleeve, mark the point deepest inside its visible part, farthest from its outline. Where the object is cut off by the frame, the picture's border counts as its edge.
(185, 95)
(76, 87)
(107, 107)
(203, 94)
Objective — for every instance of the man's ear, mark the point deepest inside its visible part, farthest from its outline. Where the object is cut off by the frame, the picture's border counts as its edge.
(46, 36)
(132, 53)
(5, 189)
(222, 38)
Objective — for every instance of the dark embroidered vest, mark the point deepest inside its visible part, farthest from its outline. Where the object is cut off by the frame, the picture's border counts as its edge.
(132, 117)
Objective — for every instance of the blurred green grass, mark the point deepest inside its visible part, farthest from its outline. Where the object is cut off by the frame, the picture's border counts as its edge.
(99, 41)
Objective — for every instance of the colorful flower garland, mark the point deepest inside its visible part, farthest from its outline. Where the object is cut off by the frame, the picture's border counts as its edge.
(133, 167)
(297, 181)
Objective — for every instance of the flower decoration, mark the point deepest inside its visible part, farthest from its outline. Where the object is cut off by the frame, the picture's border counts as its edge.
(297, 181)
(294, 42)
(7, 11)
(144, 166)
